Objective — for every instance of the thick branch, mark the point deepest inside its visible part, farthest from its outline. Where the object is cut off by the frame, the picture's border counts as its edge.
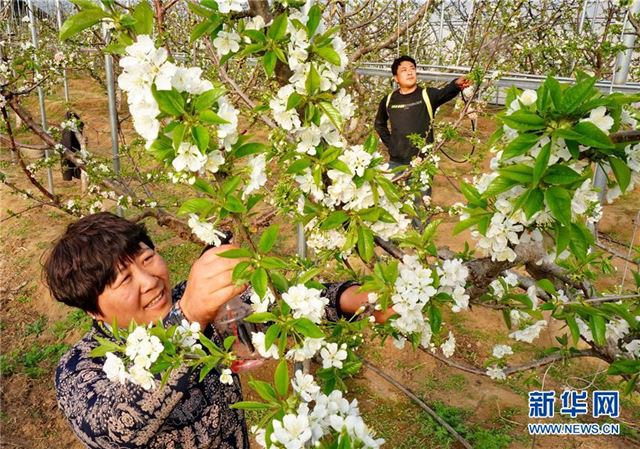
(360, 52)
(420, 402)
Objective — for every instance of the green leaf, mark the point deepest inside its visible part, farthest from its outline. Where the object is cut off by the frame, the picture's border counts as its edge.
(268, 238)
(143, 14)
(555, 91)
(294, 100)
(312, 83)
(498, 185)
(201, 137)
(575, 95)
(331, 112)
(597, 325)
(542, 162)
(250, 405)
(169, 101)
(435, 318)
(236, 253)
(262, 317)
(314, 20)
(278, 28)
(559, 201)
(547, 286)
(365, 243)
(259, 280)
(308, 328)
(334, 220)
(329, 54)
(298, 166)
(200, 206)
(561, 175)
(273, 263)
(233, 204)
(206, 27)
(256, 36)
(281, 378)
(473, 220)
(624, 366)
(472, 195)
(534, 202)
(519, 172)
(524, 121)
(81, 21)
(519, 146)
(269, 62)
(206, 99)
(211, 118)
(271, 334)
(578, 243)
(573, 327)
(264, 390)
(203, 186)
(250, 148)
(592, 136)
(621, 171)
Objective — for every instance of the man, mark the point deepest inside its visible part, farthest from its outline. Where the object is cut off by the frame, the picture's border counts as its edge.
(409, 112)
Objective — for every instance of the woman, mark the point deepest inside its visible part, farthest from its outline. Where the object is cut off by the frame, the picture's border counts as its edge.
(108, 267)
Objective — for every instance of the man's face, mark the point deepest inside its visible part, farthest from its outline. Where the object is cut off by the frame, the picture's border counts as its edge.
(406, 75)
(141, 291)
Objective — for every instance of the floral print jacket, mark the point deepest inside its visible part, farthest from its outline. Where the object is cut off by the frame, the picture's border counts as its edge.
(183, 414)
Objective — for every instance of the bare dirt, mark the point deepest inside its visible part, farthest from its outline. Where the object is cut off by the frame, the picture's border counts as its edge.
(29, 416)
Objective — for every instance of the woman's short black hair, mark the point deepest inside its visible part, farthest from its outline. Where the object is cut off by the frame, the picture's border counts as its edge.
(400, 60)
(86, 259)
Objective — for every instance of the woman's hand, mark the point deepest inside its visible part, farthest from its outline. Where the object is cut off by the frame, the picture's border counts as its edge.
(351, 300)
(210, 286)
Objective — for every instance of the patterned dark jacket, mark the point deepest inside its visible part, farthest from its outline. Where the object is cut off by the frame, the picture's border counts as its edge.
(184, 414)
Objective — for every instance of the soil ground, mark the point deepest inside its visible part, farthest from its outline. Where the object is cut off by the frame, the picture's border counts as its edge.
(36, 330)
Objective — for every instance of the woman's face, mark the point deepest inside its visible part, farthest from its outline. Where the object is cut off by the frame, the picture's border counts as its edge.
(141, 291)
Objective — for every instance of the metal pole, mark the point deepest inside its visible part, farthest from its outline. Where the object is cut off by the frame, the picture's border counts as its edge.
(398, 29)
(302, 243)
(466, 29)
(624, 57)
(65, 83)
(113, 112)
(441, 32)
(43, 114)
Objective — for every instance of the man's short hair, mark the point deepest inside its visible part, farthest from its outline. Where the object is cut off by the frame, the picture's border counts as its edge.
(86, 259)
(400, 60)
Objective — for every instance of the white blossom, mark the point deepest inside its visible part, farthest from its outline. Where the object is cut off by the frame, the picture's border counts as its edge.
(496, 373)
(257, 338)
(528, 97)
(599, 117)
(225, 377)
(205, 231)
(114, 368)
(332, 356)
(306, 302)
(257, 175)
(449, 346)
(305, 386)
(189, 157)
(529, 333)
(227, 42)
(500, 351)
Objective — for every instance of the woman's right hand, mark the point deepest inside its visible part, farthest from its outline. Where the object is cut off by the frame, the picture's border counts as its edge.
(210, 286)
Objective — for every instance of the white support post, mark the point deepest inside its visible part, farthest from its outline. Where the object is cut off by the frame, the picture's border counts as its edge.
(629, 38)
(113, 112)
(466, 30)
(65, 82)
(43, 113)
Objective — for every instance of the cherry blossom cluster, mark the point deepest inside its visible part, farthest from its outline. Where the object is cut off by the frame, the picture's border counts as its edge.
(317, 417)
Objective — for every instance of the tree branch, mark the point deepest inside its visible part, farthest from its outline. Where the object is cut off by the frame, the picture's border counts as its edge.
(360, 52)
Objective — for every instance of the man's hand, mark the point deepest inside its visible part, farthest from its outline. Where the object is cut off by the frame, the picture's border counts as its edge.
(210, 286)
(463, 83)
